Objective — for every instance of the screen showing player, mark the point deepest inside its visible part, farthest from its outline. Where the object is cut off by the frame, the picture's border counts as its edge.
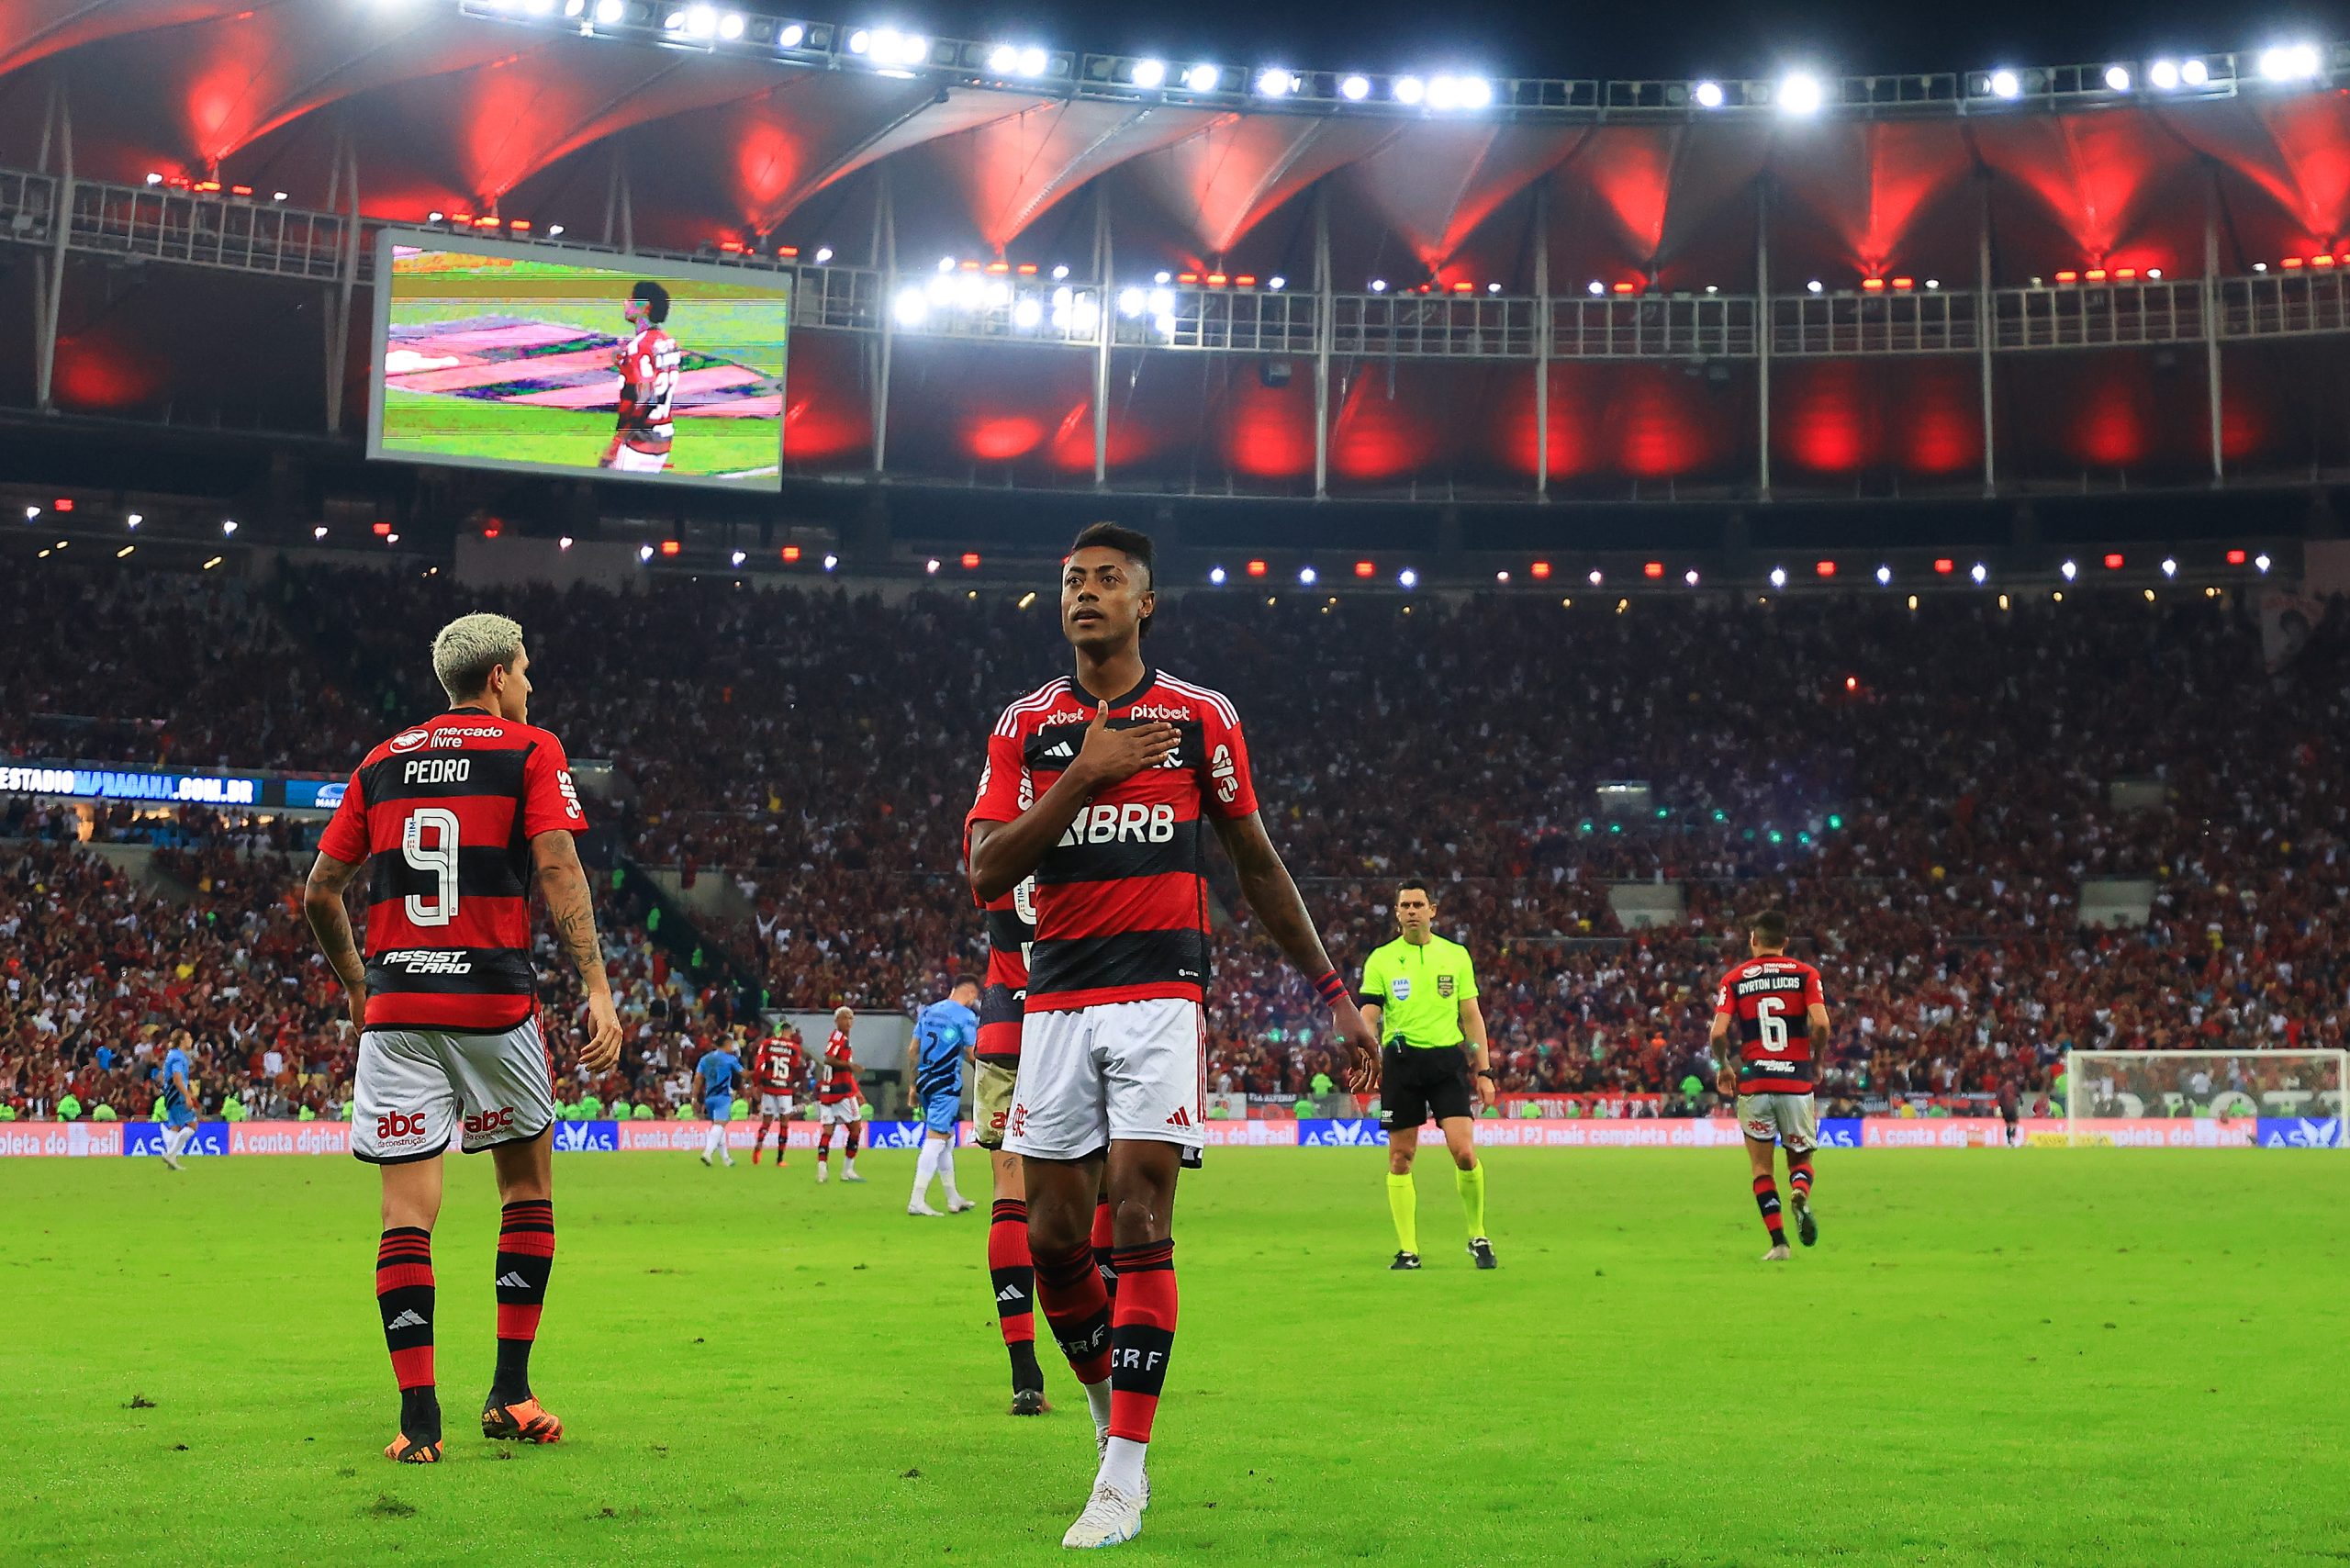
(506, 355)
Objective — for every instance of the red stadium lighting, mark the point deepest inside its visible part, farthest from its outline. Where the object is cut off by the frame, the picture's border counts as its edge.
(1365, 568)
(791, 554)
(1944, 565)
(970, 266)
(1027, 269)
(2113, 563)
(383, 530)
(2291, 264)
(971, 560)
(1463, 287)
(2236, 558)
(207, 186)
(1872, 285)
(1187, 277)
(670, 546)
(519, 226)
(731, 247)
(2068, 276)
(2095, 274)
(1245, 280)
(999, 266)
(1825, 568)
(63, 503)
(1852, 683)
(485, 223)
(1624, 288)
(2125, 274)
(489, 531)
(241, 190)
(1256, 568)
(1540, 569)
(1652, 570)
(1905, 283)
(789, 253)
(1217, 280)
(2321, 260)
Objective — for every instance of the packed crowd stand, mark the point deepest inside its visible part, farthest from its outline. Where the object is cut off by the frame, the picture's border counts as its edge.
(1924, 790)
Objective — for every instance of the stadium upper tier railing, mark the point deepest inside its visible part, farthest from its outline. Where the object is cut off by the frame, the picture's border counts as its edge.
(281, 241)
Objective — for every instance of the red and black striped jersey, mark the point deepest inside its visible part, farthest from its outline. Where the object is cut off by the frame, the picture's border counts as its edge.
(780, 1066)
(447, 810)
(1004, 993)
(1122, 903)
(840, 1072)
(648, 365)
(1770, 1001)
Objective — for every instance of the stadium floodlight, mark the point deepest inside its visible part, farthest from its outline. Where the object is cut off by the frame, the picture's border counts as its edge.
(1130, 302)
(1165, 325)
(1150, 73)
(1379, 286)
(32, 514)
(1277, 282)
(318, 532)
(1354, 89)
(2116, 78)
(1884, 575)
(2262, 561)
(831, 561)
(823, 254)
(1815, 286)
(1028, 315)
(1162, 277)
(2163, 74)
(1409, 90)
(2289, 63)
(1275, 81)
(1801, 94)
(1215, 576)
(698, 22)
(2170, 567)
(435, 217)
(134, 520)
(1598, 577)
(609, 12)
(1981, 574)
(729, 25)
(2068, 571)
(1407, 578)
(1492, 289)
(1034, 62)
(1444, 93)
(1595, 287)
(564, 543)
(643, 553)
(1060, 272)
(227, 527)
(1162, 301)
(1307, 576)
(2005, 84)
(1476, 93)
(1003, 59)
(2195, 73)
(931, 566)
(1202, 78)
(1501, 577)
(1778, 577)
(1690, 577)
(792, 35)
(740, 558)
(912, 307)
(860, 42)
(1708, 94)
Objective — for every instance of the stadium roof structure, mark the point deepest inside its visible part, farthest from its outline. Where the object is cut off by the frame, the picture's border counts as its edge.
(1020, 267)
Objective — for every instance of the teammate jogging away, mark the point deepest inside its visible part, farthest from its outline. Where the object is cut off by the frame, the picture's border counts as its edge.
(717, 1072)
(944, 1032)
(458, 818)
(1101, 785)
(776, 1071)
(1778, 1008)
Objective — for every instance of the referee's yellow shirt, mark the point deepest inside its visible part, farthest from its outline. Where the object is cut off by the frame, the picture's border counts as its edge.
(1419, 990)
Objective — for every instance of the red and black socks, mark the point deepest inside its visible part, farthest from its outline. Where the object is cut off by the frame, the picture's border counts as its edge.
(1142, 1336)
(1104, 1250)
(525, 1259)
(404, 1298)
(1766, 1198)
(1014, 1277)
(1799, 1177)
(1077, 1310)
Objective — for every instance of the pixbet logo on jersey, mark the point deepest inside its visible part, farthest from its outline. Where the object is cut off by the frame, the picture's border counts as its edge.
(1113, 824)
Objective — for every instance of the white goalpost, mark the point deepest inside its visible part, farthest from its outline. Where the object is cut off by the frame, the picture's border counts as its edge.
(2304, 1091)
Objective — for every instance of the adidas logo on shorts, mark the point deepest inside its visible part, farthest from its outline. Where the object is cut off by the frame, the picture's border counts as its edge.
(409, 1319)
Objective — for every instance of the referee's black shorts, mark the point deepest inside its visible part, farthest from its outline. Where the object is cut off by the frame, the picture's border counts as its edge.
(1419, 1082)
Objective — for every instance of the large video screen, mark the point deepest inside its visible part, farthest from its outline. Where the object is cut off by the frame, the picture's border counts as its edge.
(500, 355)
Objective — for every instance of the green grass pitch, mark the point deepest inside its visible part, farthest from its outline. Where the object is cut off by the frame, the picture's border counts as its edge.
(2102, 1356)
(511, 433)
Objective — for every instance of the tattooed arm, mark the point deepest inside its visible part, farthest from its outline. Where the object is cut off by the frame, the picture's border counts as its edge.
(331, 923)
(564, 883)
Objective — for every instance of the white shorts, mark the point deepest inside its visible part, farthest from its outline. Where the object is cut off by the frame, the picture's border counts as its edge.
(412, 1087)
(628, 460)
(1787, 1118)
(840, 1112)
(1125, 1069)
(774, 1104)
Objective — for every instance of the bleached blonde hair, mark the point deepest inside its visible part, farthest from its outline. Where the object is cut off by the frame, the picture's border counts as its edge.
(469, 648)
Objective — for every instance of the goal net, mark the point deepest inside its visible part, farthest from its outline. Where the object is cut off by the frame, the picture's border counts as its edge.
(2159, 1098)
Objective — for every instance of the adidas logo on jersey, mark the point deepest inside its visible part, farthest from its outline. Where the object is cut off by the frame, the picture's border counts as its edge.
(512, 1280)
(1061, 753)
(409, 1319)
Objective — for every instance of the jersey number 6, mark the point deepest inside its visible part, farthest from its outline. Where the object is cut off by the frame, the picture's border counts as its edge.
(1767, 1019)
(438, 861)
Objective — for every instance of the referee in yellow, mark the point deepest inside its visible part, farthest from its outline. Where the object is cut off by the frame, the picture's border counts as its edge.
(1420, 992)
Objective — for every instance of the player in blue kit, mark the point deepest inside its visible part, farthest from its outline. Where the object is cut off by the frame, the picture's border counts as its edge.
(719, 1071)
(943, 1033)
(179, 1100)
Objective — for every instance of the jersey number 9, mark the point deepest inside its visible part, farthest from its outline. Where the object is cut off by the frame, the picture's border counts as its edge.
(438, 860)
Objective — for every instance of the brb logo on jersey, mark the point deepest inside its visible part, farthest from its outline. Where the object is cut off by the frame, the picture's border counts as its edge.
(1116, 824)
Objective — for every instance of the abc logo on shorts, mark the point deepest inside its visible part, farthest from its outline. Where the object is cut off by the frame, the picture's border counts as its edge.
(400, 1124)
